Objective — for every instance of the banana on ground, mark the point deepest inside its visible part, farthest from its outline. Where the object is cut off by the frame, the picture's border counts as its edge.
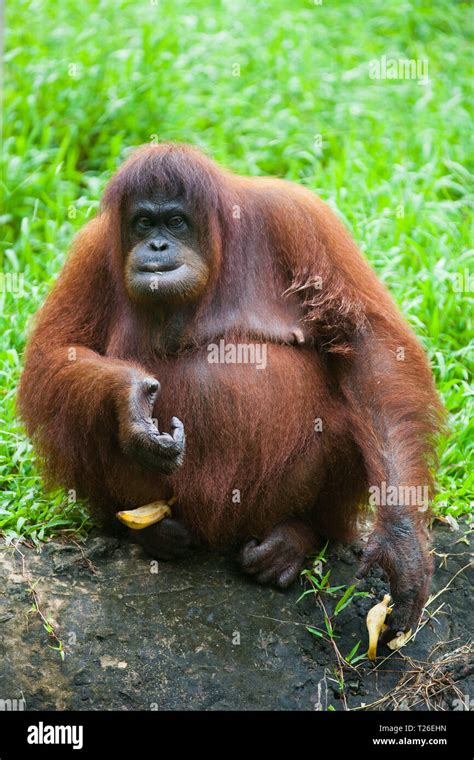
(142, 517)
(376, 624)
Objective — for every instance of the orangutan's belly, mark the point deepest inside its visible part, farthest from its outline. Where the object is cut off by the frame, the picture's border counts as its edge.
(253, 448)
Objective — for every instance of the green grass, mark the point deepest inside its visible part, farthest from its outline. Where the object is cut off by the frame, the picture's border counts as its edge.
(86, 81)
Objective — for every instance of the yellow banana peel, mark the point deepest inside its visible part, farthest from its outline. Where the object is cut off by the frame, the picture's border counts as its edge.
(400, 640)
(376, 624)
(142, 517)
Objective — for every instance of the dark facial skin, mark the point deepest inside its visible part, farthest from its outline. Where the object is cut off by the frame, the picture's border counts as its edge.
(164, 263)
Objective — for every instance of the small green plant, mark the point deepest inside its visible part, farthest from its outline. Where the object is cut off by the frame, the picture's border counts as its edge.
(47, 624)
(324, 592)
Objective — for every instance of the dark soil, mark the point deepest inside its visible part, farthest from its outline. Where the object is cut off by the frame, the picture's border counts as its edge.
(199, 635)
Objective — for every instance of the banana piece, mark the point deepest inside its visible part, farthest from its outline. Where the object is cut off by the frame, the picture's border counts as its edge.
(142, 517)
(375, 624)
(400, 640)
